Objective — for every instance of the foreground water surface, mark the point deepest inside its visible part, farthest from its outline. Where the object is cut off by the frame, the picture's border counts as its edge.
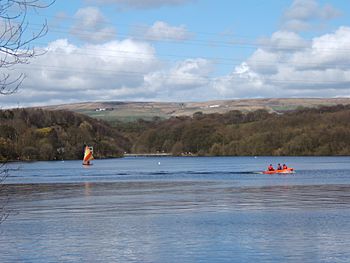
(177, 210)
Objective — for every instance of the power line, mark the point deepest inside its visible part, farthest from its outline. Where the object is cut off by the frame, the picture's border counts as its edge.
(199, 78)
(237, 43)
(214, 60)
(260, 63)
(144, 27)
(148, 56)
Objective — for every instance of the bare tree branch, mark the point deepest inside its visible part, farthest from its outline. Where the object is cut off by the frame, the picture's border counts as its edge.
(15, 48)
(16, 40)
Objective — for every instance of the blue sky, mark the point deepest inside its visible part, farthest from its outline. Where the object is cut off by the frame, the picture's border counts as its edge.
(187, 50)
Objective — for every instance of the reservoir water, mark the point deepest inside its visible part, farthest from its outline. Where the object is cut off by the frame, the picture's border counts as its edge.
(175, 209)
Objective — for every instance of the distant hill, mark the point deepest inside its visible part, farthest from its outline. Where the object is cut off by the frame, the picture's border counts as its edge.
(130, 111)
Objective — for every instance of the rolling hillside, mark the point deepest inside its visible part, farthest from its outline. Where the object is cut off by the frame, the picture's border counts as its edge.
(130, 111)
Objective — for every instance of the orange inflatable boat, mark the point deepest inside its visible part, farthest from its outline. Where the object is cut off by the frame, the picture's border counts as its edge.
(283, 171)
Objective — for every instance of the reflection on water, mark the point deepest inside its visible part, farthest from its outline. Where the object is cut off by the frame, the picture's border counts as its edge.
(171, 197)
(175, 216)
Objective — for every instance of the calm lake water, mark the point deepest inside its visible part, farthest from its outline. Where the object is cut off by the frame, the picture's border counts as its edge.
(178, 210)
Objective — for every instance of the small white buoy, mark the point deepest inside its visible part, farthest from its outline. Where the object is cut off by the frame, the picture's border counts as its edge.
(158, 163)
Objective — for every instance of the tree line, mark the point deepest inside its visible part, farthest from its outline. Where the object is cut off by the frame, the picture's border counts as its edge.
(36, 134)
(306, 131)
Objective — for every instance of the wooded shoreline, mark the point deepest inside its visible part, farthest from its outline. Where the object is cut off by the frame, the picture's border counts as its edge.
(36, 134)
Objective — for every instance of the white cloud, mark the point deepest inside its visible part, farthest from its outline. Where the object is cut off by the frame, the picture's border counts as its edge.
(68, 73)
(326, 52)
(309, 9)
(284, 65)
(163, 31)
(316, 70)
(187, 80)
(185, 75)
(131, 70)
(241, 83)
(91, 26)
(284, 40)
(302, 15)
(116, 70)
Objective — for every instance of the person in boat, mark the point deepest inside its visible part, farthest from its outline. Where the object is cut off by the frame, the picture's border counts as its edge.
(279, 167)
(285, 166)
(270, 168)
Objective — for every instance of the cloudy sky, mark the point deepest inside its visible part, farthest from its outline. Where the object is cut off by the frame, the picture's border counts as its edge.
(186, 50)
